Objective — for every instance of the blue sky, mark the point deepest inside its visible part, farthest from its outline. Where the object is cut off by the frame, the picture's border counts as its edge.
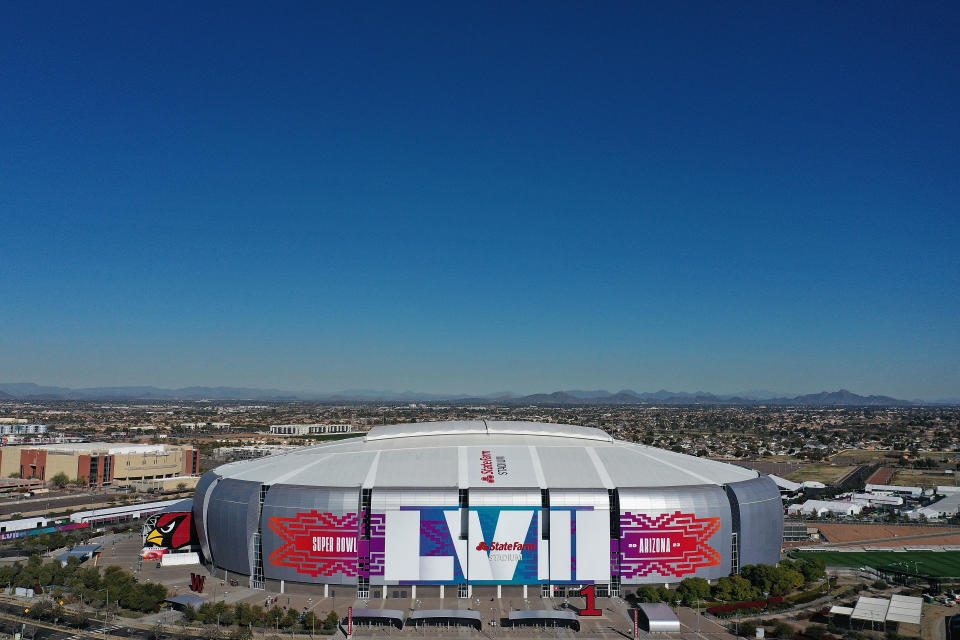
(480, 197)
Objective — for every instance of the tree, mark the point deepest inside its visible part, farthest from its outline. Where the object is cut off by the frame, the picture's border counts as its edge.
(60, 480)
(648, 593)
(311, 621)
(735, 589)
(783, 631)
(290, 619)
(693, 589)
(815, 631)
(274, 615)
(331, 621)
(15, 474)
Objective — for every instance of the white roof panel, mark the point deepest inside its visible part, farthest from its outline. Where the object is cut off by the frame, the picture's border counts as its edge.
(872, 609)
(416, 467)
(521, 455)
(905, 609)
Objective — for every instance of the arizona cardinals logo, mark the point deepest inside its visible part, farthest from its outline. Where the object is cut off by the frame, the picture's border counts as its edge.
(171, 531)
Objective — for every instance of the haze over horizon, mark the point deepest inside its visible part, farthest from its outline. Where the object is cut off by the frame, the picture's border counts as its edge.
(451, 198)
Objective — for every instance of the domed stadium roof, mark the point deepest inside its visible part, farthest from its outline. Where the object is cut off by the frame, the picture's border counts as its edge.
(485, 454)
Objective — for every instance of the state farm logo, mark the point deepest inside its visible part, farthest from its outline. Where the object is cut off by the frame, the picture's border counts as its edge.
(506, 546)
(486, 468)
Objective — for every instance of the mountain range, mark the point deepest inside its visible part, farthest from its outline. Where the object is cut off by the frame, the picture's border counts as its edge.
(843, 397)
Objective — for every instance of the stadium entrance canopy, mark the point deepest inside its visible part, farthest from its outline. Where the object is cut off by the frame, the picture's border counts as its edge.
(544, 618)
(392, 617)
(658, 617)
(447, 617)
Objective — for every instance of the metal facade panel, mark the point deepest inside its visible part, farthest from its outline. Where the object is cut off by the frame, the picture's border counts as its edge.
(596, 498)
(671, 533)
(231, 523)
(505, 498)
(310, 534)
(761, 520)
(201, 498)
(395, 499)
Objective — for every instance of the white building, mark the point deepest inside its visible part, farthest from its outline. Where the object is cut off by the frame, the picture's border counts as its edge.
(22, 429)
(309, 429)
(823, 507)
(894, 488)
(878, 499)
(941, 509)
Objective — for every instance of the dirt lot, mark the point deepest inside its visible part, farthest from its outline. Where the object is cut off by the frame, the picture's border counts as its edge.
(862, 532)
(922, 478)
(825, 473)
(932, 621)
(883, 475)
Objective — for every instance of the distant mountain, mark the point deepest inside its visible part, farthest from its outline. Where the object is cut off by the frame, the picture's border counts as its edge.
(30, 391)
(843, 397)
(758, 394)
(587, 395)
(626, 396)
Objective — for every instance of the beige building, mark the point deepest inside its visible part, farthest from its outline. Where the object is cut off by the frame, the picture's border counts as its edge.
(100, 463)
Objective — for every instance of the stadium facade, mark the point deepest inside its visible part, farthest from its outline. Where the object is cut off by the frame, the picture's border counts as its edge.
(484, 503)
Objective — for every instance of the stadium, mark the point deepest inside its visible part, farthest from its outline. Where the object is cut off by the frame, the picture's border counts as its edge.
(470, 503)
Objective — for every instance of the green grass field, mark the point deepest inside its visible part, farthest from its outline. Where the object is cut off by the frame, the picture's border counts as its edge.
(932, 563)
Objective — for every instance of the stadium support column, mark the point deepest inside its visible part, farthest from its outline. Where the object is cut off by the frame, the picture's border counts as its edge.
(441, 592)
(735, 526)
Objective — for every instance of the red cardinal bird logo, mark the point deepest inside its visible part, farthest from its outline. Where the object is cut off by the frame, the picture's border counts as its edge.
(171, 531)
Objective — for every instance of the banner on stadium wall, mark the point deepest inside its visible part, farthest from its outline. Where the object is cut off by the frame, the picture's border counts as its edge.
(504, 545)
(671, 544)
(579, 546)
(169, 530)
(317, 543)
(418, 545)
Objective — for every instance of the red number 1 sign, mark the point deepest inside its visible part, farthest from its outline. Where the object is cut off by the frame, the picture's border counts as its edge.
(590, 594)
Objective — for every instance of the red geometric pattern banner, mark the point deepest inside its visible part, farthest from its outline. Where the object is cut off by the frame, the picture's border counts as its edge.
(317, 544)
(673, 544)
